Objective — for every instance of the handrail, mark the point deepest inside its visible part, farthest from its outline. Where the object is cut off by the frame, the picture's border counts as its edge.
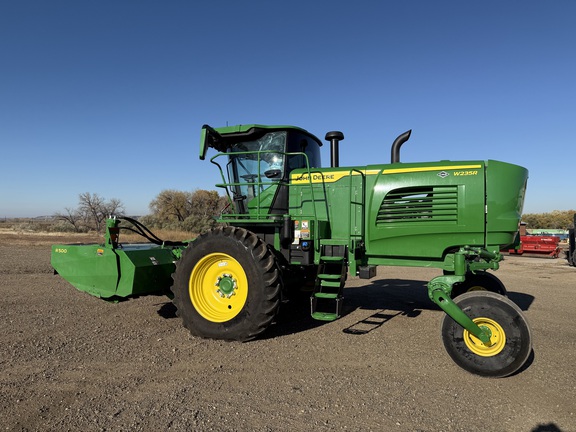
(362, 205)
(260, 215)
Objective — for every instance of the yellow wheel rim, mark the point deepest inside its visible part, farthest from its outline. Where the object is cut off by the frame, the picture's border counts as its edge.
(218, 287)
(497, 339)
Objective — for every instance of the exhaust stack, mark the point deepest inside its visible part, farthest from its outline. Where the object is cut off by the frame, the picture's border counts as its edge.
(395, 152)
(334, 137)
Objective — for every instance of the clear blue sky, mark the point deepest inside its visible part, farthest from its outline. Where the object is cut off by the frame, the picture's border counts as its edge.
(108, 97)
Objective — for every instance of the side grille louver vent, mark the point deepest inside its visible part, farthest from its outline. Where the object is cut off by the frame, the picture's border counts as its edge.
(421, 204)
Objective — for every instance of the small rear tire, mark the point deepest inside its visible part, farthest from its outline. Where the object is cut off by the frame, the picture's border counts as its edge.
(479, 281)
(511, 340)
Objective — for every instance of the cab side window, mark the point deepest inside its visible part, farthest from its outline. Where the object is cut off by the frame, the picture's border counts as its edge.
(306, 145)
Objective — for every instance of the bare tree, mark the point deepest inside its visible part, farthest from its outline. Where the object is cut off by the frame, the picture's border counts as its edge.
(91, 212)
(114, 207)
(92, 205)
(71, 216)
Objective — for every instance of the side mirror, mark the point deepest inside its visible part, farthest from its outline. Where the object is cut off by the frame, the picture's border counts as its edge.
(273, 173)
(209, 137)
(203, 146)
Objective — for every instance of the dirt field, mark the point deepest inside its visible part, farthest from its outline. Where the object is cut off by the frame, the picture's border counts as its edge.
(71, 362)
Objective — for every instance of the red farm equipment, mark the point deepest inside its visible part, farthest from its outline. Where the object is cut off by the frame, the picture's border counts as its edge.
(539, 245)
(571, 251)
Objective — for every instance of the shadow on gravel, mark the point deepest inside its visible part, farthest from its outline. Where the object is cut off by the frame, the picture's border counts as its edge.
(294, 317)
(404, 295)
(396, 294)
(550, 427)
(526, 365)
(387, 297)
(167, 310)
(524, 301)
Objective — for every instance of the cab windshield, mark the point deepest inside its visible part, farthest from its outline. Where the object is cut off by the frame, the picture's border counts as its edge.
(254, 165)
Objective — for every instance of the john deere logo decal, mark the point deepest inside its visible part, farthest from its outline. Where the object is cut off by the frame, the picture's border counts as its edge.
(443, 174)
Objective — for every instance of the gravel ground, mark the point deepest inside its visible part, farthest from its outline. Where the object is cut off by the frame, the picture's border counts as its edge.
(72, 362)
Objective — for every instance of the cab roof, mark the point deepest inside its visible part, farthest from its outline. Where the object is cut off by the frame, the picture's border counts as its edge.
(223, 137)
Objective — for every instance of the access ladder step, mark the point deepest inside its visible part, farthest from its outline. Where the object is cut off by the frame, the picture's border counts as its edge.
(328, 276)
(329, 258)
(327, 299)
(327, 295)
(325, 316)
(330, 284)
(326, 306)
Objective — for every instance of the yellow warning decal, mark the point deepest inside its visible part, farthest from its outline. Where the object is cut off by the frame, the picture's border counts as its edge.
(327, 177)
(334, 176)
(430, 168)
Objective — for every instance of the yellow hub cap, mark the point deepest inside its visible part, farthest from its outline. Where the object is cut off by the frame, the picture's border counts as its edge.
(218, 287)
(497, 339)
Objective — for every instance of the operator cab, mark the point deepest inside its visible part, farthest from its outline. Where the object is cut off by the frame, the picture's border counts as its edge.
(260, 159)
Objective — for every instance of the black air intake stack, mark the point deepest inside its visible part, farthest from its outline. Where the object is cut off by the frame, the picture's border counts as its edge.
(334, 137)
(395, 153)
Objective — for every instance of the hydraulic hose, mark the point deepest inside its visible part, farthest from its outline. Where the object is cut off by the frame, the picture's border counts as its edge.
(142, 230)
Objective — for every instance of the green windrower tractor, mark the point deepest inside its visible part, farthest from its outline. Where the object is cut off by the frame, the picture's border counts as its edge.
(292, 225)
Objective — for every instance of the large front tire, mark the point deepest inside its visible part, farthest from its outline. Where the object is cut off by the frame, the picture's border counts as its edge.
(227, 285)
(511, 340)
